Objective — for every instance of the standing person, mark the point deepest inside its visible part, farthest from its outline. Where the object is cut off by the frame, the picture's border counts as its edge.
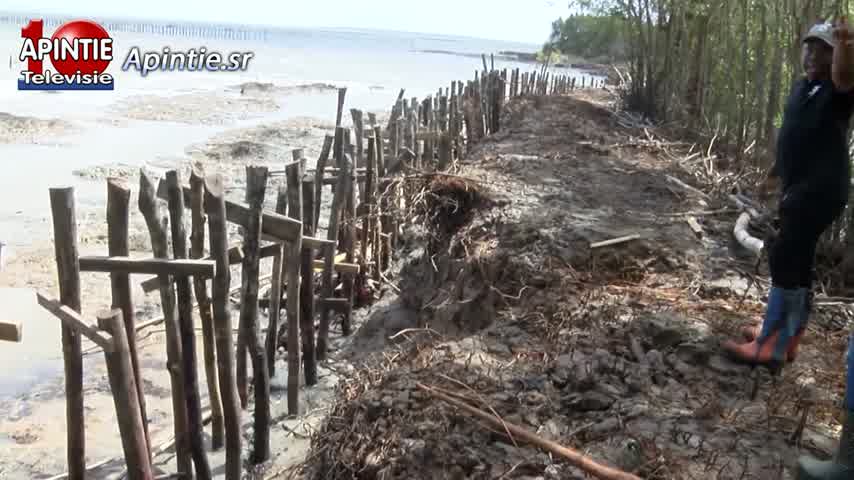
(814, 168)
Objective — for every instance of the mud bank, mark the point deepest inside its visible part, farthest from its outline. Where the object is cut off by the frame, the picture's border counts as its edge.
(39, 131)
(613, 351)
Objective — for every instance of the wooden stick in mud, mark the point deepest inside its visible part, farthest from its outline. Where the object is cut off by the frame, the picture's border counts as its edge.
(294, 255)
(156, 224)
(256, 184)
(349, 246)
(68, 268)
(200, 287)
(338, 201)
(118, 215)
(367, 221)
(358, 127)
(380, 167)
(274, 311)
(188, 329)
(342, 94)
(309, 355)
(328, 140)
(572, 456)
(123, 385)
(215, 209)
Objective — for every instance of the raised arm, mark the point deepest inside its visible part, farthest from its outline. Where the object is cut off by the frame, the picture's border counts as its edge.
(843, 57)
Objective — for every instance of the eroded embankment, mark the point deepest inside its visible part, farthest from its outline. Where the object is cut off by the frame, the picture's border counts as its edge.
(610, 350)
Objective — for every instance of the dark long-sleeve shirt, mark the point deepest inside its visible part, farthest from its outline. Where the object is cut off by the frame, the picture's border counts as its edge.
(812, 147)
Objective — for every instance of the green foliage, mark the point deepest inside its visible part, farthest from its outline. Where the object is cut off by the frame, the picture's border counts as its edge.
(588, 36)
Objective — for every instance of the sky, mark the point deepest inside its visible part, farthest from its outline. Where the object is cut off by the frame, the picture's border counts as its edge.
(526, 21)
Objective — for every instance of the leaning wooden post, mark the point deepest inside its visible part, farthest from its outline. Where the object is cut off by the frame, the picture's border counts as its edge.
(256, 184)
(156, 223)
(118, 215)
(342, 94)
(368, 211)
(195, 429)
(275, 309)
(328, 140)
(218, 226)
(309, 355)
(294, 254)
(197, 251)
(123, 385)
(350, 242)
(328, 288)
(68, 268)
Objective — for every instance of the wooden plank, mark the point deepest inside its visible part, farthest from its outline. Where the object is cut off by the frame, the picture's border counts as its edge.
(68, 269)
(614, 241)
(118, 215)
(187, 329)
(123, 384)
(203, 300)
(235, 257)
(278, 226)
(73, 321)
(156, 266)
(155, 222)
(10, 332)
(215, 208)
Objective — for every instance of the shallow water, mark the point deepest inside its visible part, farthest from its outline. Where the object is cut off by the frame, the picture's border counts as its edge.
(372, 65)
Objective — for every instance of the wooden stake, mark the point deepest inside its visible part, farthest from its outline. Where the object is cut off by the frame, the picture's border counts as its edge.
(342, 94)
(156, 223)
(123, 385)
(200, 287)
(350, 246)
(68, 268)
(256, 184)
(338, 201)
(309, 355)
(294, 254)
(118, 214)
(188, 329)
(381, 170)
(215, 208)
(275, 308)
(328, 140)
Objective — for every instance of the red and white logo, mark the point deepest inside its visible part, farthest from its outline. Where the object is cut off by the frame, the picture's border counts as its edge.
(79, 53)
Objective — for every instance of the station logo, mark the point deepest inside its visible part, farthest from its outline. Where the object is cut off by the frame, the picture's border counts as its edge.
(74, 58)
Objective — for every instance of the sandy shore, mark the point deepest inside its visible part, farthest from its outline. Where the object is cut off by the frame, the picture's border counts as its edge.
(32, 434)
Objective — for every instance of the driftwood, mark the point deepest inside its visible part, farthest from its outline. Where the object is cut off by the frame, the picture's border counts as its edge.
(118, 215)
(748, 241)
(187, 329)
(218, 228)
(197, 250)
(123, 385)
(572, 456)
(156, 222)
(68, 268)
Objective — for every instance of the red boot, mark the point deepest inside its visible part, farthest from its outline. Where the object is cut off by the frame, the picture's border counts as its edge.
(751, 333)
(753, 353)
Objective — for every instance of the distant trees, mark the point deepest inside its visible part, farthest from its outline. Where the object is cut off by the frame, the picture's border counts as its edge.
(595, 37)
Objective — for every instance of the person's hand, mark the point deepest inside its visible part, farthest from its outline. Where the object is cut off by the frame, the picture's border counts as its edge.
(842, 31)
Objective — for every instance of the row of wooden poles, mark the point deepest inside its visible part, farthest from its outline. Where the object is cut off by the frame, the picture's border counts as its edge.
(362, 232)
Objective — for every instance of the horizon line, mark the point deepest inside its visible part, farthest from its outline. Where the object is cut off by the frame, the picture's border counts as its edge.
(255, 25)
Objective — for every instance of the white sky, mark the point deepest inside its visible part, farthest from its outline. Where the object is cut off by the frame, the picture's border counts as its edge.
(516, 20)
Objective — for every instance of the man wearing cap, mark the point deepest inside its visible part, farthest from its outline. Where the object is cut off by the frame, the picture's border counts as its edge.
(812, 167)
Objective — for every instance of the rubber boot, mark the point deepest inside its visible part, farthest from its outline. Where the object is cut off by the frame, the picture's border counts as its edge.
(783, 318)
(842, 465)
(750, 333)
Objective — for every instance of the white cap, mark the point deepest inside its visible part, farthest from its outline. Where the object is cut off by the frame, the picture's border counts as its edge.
(823, 32)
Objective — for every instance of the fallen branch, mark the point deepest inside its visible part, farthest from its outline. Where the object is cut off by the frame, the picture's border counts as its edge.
(746, 240)
(686, 186)
(572, 456)
(614, 241)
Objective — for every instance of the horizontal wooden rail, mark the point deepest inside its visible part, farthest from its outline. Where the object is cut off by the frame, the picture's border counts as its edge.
(235, 256)
(154, 266)
(75, 322)
(279, 226)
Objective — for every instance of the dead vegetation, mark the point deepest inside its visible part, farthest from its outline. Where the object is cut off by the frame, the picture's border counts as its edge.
(610, 350)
